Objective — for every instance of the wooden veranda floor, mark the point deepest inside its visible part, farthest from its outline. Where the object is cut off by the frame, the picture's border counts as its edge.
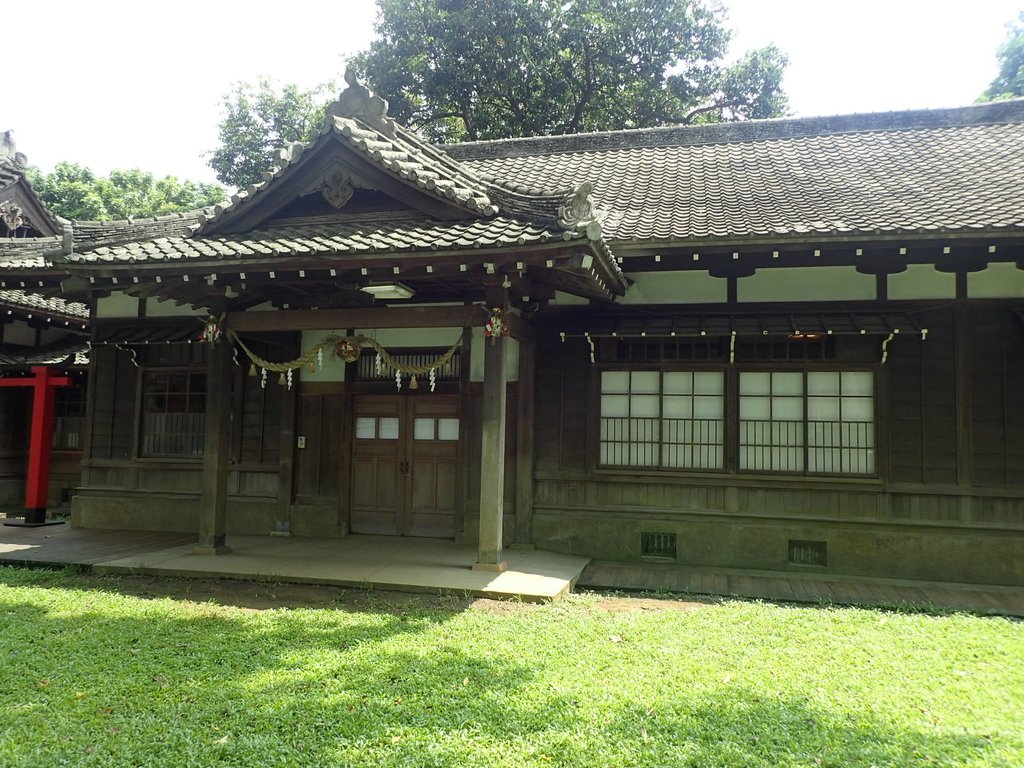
(425, 565)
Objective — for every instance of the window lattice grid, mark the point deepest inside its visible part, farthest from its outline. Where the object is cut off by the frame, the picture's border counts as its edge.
(69, 418)
(772, 421)
(662, 419)
(821, 422)
(173, 420)
(366, 366)
(840, 422)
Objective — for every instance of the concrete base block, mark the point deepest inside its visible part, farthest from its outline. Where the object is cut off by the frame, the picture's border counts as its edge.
(221, 550)
(492, 567)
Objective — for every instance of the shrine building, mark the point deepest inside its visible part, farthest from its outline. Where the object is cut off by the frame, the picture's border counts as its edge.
(788, 345)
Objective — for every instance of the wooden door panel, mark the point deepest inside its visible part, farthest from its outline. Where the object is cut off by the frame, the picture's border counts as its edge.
(377, 482)
(434, 457)
(405, 465)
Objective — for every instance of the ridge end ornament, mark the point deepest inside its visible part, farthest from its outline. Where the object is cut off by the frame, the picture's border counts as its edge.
(579, 212)
(9, 151)
(360, 103)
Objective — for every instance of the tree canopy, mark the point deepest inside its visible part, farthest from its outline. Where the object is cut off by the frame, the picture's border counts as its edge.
(487, 69)
(1009, 83)
(459, 70)
(75, 192)
(260, 118)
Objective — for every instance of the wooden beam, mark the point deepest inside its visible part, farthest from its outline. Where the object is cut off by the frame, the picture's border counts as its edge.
(368, 317)
(519, 328)
(214, 483)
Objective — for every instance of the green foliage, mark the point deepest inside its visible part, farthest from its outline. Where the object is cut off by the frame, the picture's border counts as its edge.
(486, 69)
(75, 192)
(1009, 83)
(94, 676)
(258, 120)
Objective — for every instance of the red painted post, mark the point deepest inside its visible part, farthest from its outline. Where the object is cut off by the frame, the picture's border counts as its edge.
(44, 385)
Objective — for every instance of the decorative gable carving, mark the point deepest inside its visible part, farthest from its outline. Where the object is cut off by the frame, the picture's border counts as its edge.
(336, 184)
(11, 215)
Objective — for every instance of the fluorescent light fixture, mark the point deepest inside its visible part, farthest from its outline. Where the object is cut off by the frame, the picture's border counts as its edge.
(389, 291)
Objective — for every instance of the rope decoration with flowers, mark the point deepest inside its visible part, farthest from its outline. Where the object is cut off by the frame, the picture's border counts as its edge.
(346, 348)
(496, 325)
(213, 328)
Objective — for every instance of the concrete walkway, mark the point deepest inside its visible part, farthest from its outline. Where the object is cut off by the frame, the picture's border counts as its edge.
(378, 562)
(432, 565)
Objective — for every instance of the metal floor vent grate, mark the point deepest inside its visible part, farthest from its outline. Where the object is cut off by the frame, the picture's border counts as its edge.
(808, 552)
(657, 544)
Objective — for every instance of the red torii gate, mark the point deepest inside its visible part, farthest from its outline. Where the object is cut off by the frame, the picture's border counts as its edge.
(44, 385)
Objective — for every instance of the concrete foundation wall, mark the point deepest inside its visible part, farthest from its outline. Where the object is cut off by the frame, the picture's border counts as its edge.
(932, 554)
(156, 512)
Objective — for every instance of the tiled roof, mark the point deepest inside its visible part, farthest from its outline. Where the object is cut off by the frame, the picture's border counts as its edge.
(333, 236)
(93, 234)
(50, 354)
(18, 253)
(359, 120)
(955, 171)
(51, 307)
(8, 176)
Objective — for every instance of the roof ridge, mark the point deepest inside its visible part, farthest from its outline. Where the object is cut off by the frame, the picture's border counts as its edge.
(1006, 111)
(195, 213)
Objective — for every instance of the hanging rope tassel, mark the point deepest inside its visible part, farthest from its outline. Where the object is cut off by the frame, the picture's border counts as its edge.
(885, 347)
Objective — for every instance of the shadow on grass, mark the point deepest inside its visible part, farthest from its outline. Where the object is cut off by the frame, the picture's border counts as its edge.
(252, 594)
(97, 682)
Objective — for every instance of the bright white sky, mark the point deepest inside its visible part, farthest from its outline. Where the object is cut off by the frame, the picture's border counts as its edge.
(115, 84)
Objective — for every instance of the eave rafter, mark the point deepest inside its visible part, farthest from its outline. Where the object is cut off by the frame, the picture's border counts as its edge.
(213, 283)
(868, 256)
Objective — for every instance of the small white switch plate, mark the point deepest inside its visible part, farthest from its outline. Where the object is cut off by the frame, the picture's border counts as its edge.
(301, 441)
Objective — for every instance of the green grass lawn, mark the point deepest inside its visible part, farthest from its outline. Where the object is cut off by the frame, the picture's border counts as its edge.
(124, 672)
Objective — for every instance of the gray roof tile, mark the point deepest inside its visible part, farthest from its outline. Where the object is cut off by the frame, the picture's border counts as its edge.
(342, 235)
(928, 171)
(46, 306)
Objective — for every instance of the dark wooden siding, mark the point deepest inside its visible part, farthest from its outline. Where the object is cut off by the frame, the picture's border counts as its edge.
(563, 371)
(997, 397)
(322, 422)
(115, 381)
(258, 410)
(14, 408)
(922, 404)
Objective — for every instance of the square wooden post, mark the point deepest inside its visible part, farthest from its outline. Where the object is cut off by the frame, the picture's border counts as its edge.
(213, 502)
(492, 458)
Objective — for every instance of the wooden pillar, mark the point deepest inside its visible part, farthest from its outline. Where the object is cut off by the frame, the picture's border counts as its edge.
(213, 501)
(524, 444)
(492, 455)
